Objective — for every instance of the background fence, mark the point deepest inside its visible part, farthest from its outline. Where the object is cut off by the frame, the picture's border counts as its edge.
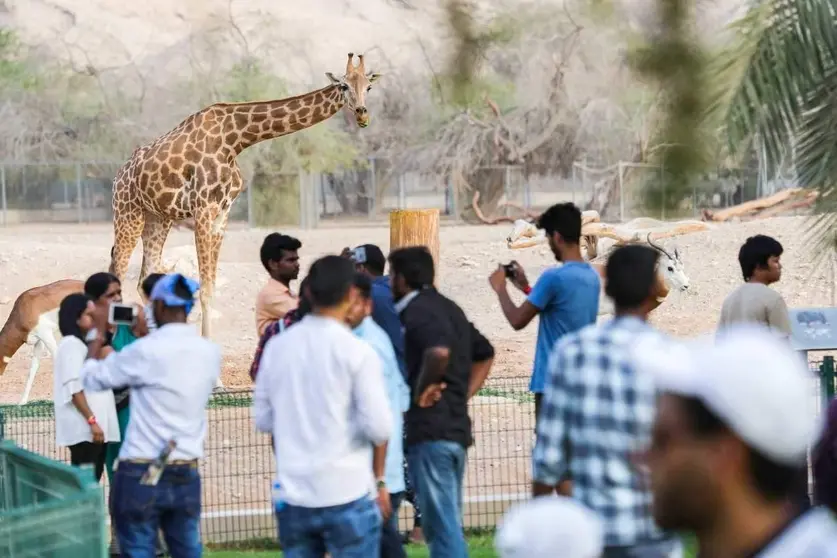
(238, 468)
(80, 192)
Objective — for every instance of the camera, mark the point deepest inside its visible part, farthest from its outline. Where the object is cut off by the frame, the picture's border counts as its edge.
(510, 269)
(121, 314)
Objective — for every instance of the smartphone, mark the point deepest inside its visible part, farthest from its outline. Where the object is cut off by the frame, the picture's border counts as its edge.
(509, 267)
(121, 314)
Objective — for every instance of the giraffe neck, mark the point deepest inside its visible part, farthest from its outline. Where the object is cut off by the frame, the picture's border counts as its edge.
(247, 124)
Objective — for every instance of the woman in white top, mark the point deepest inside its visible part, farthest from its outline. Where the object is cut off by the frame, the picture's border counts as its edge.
(85, 421)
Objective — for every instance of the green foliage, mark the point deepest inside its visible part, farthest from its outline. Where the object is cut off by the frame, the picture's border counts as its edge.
(452, 100)
(674, 60)
(15, 73)
(775, 88)
(470, 46)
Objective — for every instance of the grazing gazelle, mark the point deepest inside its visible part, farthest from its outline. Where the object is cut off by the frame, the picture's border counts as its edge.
(34, 321)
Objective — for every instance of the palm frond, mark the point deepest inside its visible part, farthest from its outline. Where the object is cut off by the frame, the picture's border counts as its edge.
(781, 52)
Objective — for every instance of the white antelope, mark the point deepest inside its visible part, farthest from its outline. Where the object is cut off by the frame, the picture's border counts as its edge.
(670, 273)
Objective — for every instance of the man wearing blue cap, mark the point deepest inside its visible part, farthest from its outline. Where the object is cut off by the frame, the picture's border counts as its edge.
(171, 373)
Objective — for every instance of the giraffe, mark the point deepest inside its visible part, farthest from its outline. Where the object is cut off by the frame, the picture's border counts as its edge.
(191, 172)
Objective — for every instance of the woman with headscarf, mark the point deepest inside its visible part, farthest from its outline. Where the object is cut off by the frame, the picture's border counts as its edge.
(85, 421)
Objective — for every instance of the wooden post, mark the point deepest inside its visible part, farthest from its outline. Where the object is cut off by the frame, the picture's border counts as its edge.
(415, 227)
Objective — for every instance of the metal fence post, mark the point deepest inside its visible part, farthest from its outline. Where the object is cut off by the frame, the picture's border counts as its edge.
(79, 198)
(3, 194)
(250, 217)
(621, 194)
(303, 201)
(575, 179)
(373, 194)
(663, 186)
(507, 188)
(315, 195)
(827, 378)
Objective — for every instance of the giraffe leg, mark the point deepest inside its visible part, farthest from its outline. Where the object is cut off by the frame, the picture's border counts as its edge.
(219, 227)
(154, 235)
(127, 227)
(205, 245)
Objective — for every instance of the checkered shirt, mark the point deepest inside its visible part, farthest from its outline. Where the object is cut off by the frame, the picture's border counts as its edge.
(595, 413)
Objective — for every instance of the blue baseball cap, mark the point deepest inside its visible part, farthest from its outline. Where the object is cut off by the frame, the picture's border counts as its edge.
(164, 291)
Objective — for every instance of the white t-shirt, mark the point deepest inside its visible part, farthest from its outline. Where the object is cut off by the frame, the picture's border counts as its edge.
(70, 426)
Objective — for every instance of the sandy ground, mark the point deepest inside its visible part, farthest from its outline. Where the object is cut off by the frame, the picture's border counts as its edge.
(499, 463)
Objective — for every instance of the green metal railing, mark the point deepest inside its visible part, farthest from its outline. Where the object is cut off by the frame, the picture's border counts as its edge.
(48, 509)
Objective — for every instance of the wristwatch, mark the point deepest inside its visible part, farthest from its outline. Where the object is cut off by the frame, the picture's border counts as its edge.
(380, 483)
(91, 420)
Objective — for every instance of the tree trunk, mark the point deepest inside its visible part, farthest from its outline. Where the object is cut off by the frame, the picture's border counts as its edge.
(415, 227)
(490, 183)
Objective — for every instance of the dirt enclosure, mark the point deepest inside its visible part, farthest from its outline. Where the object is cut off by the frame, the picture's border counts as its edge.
(238, 465)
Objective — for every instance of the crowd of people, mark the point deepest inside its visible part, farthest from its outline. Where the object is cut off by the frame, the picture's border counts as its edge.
(362, 381)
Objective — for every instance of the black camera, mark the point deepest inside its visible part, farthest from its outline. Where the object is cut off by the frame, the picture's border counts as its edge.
(510, 269)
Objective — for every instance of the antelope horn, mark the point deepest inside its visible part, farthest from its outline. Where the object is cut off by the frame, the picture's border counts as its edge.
(349, 65)
(360, 65)
(658, 247)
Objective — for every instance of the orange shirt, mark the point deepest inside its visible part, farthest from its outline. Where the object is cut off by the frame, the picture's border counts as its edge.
(273, 302)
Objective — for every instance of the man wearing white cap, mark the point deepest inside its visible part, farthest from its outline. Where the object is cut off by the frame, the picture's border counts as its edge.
(550, 526)
(731, 435)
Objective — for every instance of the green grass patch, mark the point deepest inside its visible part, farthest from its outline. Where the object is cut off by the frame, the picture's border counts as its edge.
(478, 547)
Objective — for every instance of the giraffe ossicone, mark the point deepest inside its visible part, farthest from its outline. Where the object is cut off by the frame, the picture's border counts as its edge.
(191, 173)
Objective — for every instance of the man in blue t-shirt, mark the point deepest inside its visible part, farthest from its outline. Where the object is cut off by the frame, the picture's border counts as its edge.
(566, 297)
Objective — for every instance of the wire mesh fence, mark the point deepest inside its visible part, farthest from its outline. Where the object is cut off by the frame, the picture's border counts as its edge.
(238, 467)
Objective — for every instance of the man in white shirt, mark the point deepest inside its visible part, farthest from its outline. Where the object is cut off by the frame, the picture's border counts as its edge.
(732, 430)
(171, 373)
(320, 392)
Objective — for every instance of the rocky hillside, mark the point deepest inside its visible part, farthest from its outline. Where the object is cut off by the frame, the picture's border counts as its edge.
(302, 39)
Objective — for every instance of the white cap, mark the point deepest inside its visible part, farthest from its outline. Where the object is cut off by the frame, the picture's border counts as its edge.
(753, 381)
(536, 528)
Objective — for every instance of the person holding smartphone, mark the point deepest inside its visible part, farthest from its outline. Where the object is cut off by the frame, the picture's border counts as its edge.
(85, 421)
(105, 289)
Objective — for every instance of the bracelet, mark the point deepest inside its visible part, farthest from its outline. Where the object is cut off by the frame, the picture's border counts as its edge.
(527, 289)
(91, 420)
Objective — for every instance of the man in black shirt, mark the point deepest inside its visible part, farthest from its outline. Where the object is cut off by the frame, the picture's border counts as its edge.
(447, 361)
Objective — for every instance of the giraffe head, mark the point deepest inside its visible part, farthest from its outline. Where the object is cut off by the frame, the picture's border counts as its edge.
(354, 85)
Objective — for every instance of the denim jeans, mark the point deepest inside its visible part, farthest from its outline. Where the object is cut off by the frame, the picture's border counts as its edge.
(668, 548)
(350, 530)
(174, 506)
(392, 544)
(436, 471)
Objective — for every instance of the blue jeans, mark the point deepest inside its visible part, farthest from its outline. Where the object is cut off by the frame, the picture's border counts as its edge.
(174, 506)
(392, 545)
(350, 530)
(436, 471)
